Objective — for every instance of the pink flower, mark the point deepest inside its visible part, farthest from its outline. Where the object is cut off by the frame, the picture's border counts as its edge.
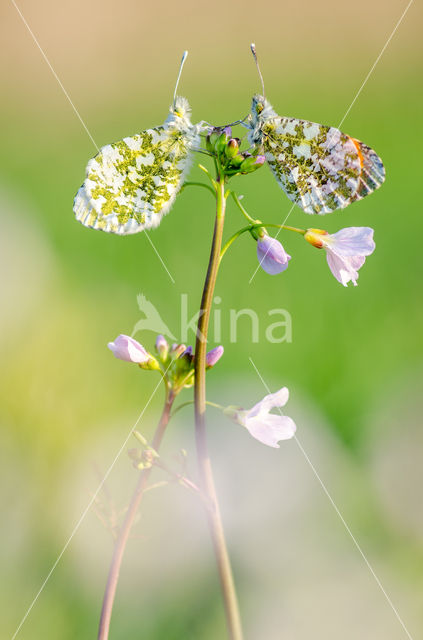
(271, 255)
(346, 250)
(128, 349)
(265, 426)
(213, 356)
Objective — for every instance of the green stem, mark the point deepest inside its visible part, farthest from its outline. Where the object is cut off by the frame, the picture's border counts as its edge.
(206, 475)
(283, 226)
(186, 404)
(112, 580)
(241, 208)
(232, 239)
(199, 184)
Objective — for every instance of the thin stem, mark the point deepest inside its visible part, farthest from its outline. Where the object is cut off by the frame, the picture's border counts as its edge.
(198, 184)
(283, 226)
(189, 402)
(232, 239)
(206, 474)
(241, 208)
(112, 580)
(258, 223)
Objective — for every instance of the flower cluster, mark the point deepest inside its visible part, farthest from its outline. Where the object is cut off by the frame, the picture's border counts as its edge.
(346, 251)
(176, 362)
(226, 149)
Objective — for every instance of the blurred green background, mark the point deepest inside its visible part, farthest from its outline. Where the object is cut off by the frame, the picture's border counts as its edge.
(353, 367)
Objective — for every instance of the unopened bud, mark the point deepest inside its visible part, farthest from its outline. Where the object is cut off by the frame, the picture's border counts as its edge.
(162, 347)
(214, 356)
(140, 438)
(177, 350)
(251, 163)
(211, 138)
(232, 148)
(223, 140)
(150, 365)
(314, 237)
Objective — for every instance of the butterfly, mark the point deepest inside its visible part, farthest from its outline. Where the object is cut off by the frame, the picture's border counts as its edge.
(131, 184)
(319, 168)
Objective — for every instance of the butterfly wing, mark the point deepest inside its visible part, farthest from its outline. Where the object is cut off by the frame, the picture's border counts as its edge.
(132, 183)
(319, 168)
(372, 173)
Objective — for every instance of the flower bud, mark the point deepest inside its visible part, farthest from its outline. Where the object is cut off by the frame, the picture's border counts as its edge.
(177, 350)
(214, 356)
(232, 148)
(211, 138)
(127, 349)
(251, 163)
(271, 255)
(150, 365)
(223, 140)
(314, 237)
(162, 348)
(140, 438)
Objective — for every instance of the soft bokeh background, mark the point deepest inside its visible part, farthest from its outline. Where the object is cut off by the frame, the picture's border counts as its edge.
(353, 367)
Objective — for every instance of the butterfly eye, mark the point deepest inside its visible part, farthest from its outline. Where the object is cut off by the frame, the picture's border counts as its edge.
(259, 107)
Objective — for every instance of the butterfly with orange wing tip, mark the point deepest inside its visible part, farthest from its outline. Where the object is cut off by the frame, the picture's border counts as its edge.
(319, 168)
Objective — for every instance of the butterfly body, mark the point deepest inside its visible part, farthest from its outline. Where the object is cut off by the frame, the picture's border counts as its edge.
(320, 168)
(132, 183)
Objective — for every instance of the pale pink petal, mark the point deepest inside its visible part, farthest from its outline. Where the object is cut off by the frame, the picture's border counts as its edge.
(271, 255)
(277, 399)
(270, 429)
(128, 349)
(343, 268)
(351, 241)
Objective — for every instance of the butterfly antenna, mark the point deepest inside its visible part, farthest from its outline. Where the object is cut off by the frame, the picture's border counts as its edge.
(184, 57)
(254, 52)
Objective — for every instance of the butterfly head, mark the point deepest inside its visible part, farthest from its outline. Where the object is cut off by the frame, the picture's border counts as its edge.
(180, 114)
(261, 109)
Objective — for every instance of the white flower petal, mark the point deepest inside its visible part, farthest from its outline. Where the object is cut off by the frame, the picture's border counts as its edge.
(351, 241)
(127, 349)
(271, 429)
(277, 399)
(343, 268)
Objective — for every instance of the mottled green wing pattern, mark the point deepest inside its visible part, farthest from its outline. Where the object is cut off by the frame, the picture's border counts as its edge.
(319, 168)
(132, 183)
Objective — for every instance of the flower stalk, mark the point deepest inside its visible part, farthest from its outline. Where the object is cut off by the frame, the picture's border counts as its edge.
(125, 530)
(206, 473)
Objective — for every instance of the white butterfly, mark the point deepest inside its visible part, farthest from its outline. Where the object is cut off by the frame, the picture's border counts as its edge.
(131, 184)
(319, 168)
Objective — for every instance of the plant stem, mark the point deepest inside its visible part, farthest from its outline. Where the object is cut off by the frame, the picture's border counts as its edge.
(206, 474)
(241, 208)
(112, 579)
(198, 184)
